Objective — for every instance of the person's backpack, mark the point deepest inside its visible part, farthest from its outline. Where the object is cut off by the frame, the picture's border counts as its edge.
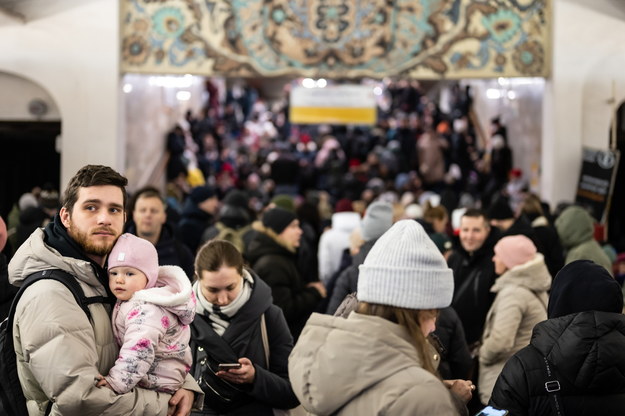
(11, 393)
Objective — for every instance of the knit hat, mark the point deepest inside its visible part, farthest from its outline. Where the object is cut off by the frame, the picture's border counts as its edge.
(515, 250)
(584, 286)
(378, 218)
(405, 269)
(284, 201)
(343, 205)
(500, 209)
(236, 198)
(132, 251)
(50, 199)
(201, 193)
(278, 219)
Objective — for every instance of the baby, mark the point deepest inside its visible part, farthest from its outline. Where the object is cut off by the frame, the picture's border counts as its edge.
(151, 318)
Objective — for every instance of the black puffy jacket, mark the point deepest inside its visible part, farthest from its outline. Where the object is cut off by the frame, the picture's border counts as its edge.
(277, 266)
(586, 352)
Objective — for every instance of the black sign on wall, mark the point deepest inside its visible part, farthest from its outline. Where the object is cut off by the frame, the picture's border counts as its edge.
(596, 181)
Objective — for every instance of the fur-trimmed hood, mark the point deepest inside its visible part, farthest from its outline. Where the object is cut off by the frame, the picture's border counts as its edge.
(172, 292)
(258, 226)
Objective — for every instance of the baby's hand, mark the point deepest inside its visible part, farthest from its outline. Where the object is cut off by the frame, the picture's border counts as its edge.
(101, 381)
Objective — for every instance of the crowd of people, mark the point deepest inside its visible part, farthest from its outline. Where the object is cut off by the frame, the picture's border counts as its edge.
(353, 279)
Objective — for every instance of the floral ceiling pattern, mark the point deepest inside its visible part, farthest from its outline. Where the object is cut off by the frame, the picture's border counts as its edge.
(426, 39)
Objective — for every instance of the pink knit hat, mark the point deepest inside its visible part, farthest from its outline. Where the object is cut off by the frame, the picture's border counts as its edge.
(132, 251)
(515, 250)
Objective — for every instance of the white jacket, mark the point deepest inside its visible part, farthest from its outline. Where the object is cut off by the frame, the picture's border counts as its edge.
(334, 241)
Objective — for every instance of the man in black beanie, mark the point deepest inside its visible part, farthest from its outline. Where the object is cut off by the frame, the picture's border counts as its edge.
(273, 255)
(576, 359)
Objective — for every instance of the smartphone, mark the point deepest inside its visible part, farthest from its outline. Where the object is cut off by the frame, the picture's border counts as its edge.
(228, 366)
(491, 411)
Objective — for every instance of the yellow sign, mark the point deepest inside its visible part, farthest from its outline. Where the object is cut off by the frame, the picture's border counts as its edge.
(340, 104)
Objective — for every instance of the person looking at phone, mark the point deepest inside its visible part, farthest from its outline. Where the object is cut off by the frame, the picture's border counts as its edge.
(150, 319)
(240, 340)
(575, 362)
(378, 359)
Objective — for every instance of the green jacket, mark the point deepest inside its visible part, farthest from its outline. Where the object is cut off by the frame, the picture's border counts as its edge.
(576, 230)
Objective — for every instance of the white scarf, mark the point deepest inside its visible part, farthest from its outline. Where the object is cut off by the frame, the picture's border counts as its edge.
(220, 316)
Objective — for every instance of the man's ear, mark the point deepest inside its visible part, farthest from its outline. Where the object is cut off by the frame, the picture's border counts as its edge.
(65, 217)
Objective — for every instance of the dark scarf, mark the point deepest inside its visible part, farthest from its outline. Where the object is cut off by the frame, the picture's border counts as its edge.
(56, 236)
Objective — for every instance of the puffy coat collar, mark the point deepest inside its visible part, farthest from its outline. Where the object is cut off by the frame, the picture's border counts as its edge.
(172, 291)
(324, 366)
(587, 348)
(55, 250)
(533, 275)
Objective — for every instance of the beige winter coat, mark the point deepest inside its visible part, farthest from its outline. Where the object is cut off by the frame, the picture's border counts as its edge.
(59, 352)
(363, 365)
(520, 303)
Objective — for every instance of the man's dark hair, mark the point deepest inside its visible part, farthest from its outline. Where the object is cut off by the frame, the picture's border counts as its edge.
(92, 175)
(145, 192)
(476, 213)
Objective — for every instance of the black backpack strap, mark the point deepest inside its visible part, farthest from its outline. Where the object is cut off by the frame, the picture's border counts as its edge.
(17, 399)
(70, 282)
(552, 387)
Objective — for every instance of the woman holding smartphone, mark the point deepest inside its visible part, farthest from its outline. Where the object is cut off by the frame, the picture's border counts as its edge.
(240, 340)
(378, 360)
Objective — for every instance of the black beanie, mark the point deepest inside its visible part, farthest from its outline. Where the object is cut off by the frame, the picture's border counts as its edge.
(500, 209)
(236, 198)
(584, 286)
(278, 219)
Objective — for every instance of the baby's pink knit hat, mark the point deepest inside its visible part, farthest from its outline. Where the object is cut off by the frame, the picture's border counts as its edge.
(132, 251)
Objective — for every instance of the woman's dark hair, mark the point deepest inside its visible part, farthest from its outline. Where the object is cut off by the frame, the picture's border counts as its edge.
(215, 254)
(532, 206)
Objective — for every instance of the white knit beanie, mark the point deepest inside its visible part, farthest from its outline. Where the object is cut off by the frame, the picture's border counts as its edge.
(405, 269)
(378, 218)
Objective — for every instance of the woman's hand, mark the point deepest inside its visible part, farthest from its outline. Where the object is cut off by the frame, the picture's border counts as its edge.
(461, 388)
(243, 375)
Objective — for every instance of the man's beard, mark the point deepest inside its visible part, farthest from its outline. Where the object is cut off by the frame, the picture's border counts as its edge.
(90, 248)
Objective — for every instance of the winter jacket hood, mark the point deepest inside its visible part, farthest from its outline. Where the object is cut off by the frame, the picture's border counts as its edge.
(574, 226)
(340, 360)
(582, 347)
(345, 221)
(172, 292)
(532, 275)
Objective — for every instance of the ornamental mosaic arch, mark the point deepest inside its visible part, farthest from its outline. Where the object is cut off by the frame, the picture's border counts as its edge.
(425, 39)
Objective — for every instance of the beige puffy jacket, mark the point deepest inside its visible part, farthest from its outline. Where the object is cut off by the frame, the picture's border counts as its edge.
(520, 303)
(363, 365)
(59, 352)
